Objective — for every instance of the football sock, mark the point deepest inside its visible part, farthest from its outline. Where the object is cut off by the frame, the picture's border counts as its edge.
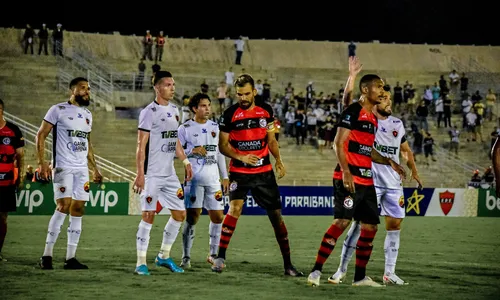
(364, 249)
(169, 235)
(281, 234)
(55, 224)
(228, 227)
(187, 239)
(74, 232)
(391, 249)
(142, 242)
(327, 245)
(214, 230)
(349, 246)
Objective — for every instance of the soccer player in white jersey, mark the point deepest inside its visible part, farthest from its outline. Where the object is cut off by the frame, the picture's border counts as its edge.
(156, 179)
(71, 124)
(200, 139)
(390, 140)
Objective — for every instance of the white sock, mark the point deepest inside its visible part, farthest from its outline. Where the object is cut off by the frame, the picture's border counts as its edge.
(187, 239)
(391, 249)
(214, 231)
(349, 246)
(142, 242)
(169, 235)
(55, 225)
(74, 232)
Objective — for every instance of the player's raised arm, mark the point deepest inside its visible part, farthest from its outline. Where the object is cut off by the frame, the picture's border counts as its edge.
(354, 68)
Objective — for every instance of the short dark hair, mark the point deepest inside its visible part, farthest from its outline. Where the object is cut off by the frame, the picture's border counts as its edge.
(2, 104)
(194, 101)
(244, 79)
(387, 88)
(76, 81)
(366, 80)
(161, 74)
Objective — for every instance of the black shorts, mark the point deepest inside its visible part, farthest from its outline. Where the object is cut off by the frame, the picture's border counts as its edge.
(360, 206)
(263, 187)
(221, 101)
(8, 198)
(428, 151)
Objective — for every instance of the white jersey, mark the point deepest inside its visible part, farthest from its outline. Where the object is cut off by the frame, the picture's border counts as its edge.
(205, 169)
(72, 126)
(388, 139)
(161, 122)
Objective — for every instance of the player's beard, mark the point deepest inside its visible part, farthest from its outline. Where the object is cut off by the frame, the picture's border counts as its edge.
(384, 112)
(246, 104)
(81, 101)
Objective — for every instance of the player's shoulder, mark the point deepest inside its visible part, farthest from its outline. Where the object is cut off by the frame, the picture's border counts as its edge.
(61, 106)
(266, 107)
(187, 124)
(88, 112)
(396, 121)
(231, 110)
(353, 108)
(173, 106)
(12, 126)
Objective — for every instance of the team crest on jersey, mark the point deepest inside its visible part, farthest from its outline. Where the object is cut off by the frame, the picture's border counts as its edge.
(402, 201)
(446, 200)
(88, 121)
(262, 122)
(233, 186)
(214, 134)
(149, 199)
(180, 193)
(348, 202)
(395, 133)
(62, 189)
(218, 195)
(86, 187)
(6, 141)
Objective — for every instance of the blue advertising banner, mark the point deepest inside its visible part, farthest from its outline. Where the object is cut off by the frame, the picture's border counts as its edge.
(295, 201)
(417, 201)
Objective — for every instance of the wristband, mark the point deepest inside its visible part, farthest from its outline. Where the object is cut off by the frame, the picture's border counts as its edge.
(186, 162)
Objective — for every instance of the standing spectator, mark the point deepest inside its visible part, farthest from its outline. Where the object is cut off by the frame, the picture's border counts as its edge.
(43, 37)
(28, 38)
(58, 37)
(428, 148)
(239, 45)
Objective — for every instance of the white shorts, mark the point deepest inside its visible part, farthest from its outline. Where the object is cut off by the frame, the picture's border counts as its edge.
(166, 189)
(208, 197)
(392, 202)
(71, 183)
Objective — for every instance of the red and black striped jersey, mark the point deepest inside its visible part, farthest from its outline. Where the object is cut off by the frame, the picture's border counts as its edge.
(358, 145)
(248, 135)
(11, 138)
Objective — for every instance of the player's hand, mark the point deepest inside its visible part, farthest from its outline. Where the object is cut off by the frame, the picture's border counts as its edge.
(44, 171)
(20, 183)
(189, 172)
(139, 183)
(225, 186)
(280, 168)
(200, 150)
(398, 168)
(355, 65)
(415, 176)
(348, 181)
(250, 159)
(97, 178)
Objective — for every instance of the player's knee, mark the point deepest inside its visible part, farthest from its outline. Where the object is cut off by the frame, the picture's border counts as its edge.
(63, 208)
(77, 209)
(178, 215)
(216, 216)
(369, 227)
(192, 218)
(393, 223)
(148, 216)
(341, 223)
(235, 208)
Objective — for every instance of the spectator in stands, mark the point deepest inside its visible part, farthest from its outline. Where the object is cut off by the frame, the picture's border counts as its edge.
(311, 121)
(439, 107)
(466, 108)
(436, 91)
(418, 139)
(464, 84)
(471, 118)
(454, 139)
(300, 126)
(428, 96)
(476, 97)
(447, 110)
(290, 122)
(222, 95)
(398, 96)
(454, 82)
(266, 93)
(140, 76)
(229, 76)
(204, 87)
(239, 45)
(488, 176)
(160, 42)
(29, 39)
(491, 100)
(259, 100)
(475, 181)
(310, 93)
(58, 37)
(329, 136)
(321, 136)
(443, 85)
(422, 114)
(351, 49)
(29, 173)
(494, 134)
(428, 148)
(43, 37)
(147, 44)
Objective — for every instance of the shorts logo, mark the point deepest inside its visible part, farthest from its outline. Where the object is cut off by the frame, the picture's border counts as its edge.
(402, 201)
(213, 134)
(348, 202)
(86, 187)
(62, 189)
(218, 195)
(262, 123)
(6, 141)
(149, 199)
(446, 200)
(180, 193)
(395, 133)
(233, 186)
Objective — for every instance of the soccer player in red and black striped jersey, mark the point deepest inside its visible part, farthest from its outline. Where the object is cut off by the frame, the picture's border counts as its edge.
(247, 136)
(11, 157)
(354, 192)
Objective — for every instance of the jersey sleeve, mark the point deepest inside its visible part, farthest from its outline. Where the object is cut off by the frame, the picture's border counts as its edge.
(270, 118)
(146, 120)
(348, 117)
(19, 140)
(403, 130)
(52, 115)
(181, 133)
(225, 123)
(91, 120)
